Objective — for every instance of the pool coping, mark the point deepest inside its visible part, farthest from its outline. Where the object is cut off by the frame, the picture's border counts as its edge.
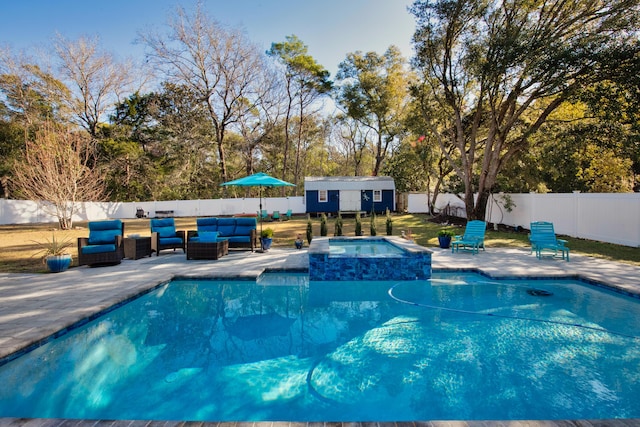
(35, 307)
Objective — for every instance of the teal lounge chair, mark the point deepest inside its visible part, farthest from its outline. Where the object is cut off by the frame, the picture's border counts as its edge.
(472, 239)
(543, 238)
(287, 216)
(263, 215)
(275, 216)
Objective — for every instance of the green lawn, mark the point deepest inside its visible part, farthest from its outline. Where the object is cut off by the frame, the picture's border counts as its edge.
(19, 248)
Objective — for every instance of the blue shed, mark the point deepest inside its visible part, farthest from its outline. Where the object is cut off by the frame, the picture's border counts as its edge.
(331, 194)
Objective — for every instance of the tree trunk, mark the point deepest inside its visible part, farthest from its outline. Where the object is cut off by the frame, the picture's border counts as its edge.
(296, 176)
(480, 208)
(287, 121)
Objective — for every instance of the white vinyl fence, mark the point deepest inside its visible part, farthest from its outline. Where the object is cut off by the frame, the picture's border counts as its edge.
(26, 211)
(606, 217)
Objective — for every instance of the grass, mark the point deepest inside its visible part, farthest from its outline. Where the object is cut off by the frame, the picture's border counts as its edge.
(19, 246)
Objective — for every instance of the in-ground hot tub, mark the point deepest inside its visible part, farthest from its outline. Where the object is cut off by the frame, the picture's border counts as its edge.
(368, 258)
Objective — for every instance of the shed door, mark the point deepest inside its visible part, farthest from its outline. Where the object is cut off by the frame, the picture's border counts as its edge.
(350, 200)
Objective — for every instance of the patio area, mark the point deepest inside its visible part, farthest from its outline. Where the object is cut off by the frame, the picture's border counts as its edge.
(35, 306)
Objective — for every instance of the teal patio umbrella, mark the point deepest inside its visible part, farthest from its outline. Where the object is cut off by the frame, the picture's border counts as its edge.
(259, 180)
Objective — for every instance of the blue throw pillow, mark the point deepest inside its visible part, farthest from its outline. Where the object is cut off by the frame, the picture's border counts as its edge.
(207, 236)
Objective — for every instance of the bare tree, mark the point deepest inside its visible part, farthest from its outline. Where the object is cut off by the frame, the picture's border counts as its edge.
(55, 170)
(355, 140)
(96, 79)
(220, 65)
(32, 93)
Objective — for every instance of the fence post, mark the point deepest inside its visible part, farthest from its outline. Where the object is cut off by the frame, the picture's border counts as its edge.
(532, 208)
(576, 213)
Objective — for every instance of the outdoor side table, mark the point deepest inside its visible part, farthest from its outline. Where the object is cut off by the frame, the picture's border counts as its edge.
(137, 247)
(201, 250)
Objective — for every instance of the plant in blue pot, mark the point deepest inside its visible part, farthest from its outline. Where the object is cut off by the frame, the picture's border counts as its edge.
(55, 253)
(266, 238)
(444, 237)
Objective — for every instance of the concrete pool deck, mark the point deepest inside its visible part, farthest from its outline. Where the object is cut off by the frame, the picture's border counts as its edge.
(35, 306)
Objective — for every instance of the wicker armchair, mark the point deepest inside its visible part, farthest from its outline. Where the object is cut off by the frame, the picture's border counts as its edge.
(104, 246)
(165, 236)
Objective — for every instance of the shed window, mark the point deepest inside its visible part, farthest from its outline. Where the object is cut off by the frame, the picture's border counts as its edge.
(322, 196)
(377, 195)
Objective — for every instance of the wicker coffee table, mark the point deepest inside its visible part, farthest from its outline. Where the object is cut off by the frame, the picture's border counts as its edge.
(214, 250)
(137, 247)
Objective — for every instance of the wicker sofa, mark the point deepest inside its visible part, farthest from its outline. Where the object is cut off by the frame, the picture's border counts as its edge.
(240, 232)
(104, 246)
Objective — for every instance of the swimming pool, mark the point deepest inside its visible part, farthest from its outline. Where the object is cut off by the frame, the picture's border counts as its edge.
(459, 346)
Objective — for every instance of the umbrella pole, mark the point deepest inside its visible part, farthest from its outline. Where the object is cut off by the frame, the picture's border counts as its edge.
(260, 214)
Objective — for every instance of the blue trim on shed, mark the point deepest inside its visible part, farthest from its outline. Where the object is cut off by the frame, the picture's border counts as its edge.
(380, 207)
(366, 200)
(388, 200)
(314, 206)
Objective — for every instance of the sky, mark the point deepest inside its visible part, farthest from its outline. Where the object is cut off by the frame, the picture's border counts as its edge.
(330, 28)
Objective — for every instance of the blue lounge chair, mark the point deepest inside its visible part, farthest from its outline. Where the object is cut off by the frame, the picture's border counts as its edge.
(165, 236)
(104, 246)
(473, 238)
(543, 238)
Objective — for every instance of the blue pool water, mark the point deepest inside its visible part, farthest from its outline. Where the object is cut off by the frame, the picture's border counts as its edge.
(458, 346)
(363, 248)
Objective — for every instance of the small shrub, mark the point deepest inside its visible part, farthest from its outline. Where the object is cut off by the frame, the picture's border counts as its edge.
(338, 225)
(323, 225)
(358, 225)
(372, 228)
(309, 229)
(389, 223)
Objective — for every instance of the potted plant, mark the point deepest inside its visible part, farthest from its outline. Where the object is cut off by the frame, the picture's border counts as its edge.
(55, 253)
(444, 238)
(266, 238)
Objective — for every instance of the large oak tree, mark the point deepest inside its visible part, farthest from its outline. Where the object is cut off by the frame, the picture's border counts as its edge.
(493, 71)
(372, 89)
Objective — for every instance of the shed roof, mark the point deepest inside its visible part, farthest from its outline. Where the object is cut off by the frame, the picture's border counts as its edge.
(349, 183)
